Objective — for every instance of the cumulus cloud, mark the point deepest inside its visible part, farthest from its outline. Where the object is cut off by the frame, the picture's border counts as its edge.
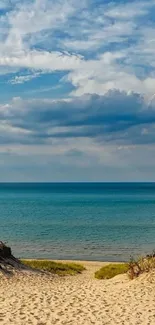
(102, 53)
(117, 117)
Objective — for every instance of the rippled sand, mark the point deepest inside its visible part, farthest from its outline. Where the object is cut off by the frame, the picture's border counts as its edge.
(48, 300)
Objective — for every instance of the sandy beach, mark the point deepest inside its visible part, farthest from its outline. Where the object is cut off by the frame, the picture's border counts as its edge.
(47, 300)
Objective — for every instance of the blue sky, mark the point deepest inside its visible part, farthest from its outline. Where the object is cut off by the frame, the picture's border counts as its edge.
(77, 90)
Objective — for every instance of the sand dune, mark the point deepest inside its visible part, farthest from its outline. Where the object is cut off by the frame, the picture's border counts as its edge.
(78, 300)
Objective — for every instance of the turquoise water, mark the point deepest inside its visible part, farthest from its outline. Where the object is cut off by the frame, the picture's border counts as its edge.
(92, 221)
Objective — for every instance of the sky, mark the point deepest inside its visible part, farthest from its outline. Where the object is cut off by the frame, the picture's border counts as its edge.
(77, 90)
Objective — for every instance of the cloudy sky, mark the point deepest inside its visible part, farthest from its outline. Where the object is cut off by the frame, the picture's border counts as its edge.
(77, 90)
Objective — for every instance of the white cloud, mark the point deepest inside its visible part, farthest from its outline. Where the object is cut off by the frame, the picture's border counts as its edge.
(23, 79)
(113, 48)
(129, 10)
(48, 61)
(101, 36)
(39, 15)
(105, 73)
(100, 48)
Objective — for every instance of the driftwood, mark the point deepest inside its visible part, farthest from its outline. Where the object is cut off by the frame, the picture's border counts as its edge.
(8, 263)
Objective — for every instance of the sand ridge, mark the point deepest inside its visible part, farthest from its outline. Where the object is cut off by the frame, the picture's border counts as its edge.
(77, 300)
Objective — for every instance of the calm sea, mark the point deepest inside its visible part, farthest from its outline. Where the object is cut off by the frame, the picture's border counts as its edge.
(92, 221)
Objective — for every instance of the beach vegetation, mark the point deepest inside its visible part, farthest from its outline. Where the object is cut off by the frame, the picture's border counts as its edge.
(133, 269)
(111, 270)
(141, 265)
(55, 267)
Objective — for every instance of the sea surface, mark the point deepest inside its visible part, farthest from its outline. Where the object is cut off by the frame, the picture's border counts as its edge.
(83, 221)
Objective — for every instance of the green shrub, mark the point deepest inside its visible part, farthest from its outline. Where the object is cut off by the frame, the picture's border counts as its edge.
(111, 270)
(55, 267)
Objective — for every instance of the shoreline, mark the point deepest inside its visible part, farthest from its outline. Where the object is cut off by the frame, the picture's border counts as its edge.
(101, 263)
(71, 261)
(90, 266)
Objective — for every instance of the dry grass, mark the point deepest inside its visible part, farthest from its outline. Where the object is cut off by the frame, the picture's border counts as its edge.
(143, 264)
(55, 267)
(134, 268)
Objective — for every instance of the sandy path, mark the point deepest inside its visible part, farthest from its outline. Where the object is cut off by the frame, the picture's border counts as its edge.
(79, 300)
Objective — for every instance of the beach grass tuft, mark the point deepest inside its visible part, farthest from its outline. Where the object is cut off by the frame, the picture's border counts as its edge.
(142, 265)
(55, 267)
(111, 270)
(133, 269)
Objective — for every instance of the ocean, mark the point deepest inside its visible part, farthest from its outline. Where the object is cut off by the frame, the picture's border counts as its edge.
(81, 221)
